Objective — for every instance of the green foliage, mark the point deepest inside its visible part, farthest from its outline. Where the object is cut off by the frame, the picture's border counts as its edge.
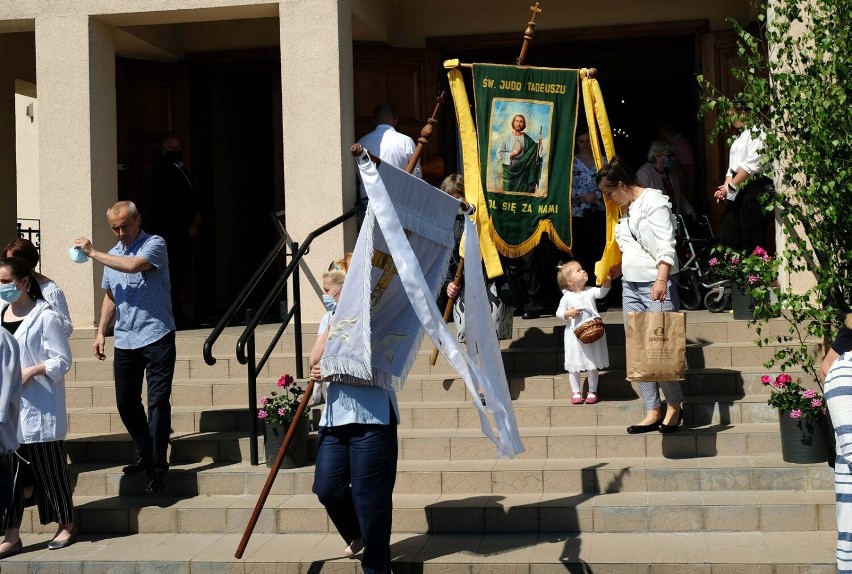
(797, 78)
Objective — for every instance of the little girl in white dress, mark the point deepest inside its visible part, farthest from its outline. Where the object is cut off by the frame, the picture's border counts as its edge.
(578, 305)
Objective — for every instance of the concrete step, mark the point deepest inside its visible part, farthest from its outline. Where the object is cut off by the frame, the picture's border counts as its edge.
(751, 552)
(720, 511)
(541, 442)
(543, 477)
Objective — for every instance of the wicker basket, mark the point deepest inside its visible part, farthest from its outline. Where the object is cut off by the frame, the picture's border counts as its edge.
(590, 330)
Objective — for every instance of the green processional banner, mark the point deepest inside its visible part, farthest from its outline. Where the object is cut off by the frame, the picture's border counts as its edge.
(525, 120)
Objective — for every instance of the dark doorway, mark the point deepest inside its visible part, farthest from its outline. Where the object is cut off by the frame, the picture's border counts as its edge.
(237, 154)
(226, 109)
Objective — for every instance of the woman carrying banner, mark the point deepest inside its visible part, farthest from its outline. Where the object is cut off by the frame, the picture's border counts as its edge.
(646, 237)
(357, 452)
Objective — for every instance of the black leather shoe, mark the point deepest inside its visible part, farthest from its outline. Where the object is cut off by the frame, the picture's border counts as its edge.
(156, 485)
(667, 429)
(16, 548)
(142, 464)
(639, 429)
(531, 315)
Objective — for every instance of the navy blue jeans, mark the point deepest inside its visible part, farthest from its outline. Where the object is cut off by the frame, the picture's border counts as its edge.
(156, 363)
(354, 480)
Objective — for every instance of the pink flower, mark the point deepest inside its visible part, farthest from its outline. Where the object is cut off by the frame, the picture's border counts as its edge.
(752, 279)
(765, 380)
(766, 258)
(262, 415)
(809, 394)
(735, 261)
(285, 380)
(759, 251)
(816, 403)
(281, 412)
(795, 414)
(263, 400)
(713, 261)
(779, 384)
(784, 378)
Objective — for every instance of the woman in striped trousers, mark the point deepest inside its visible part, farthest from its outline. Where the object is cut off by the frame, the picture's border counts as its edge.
(45, 358)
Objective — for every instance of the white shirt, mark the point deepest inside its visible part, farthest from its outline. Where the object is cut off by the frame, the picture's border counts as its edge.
(390, 146)
(646, 237)
(56, 298)
(42, 339)
(746, 154)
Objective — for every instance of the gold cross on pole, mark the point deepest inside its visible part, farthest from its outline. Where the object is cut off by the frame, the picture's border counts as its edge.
(384, 262)
(529, 33)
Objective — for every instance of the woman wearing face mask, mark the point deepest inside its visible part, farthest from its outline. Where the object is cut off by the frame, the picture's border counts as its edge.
(45, 358)
(357, 453)
(332, 284)
(664, 173)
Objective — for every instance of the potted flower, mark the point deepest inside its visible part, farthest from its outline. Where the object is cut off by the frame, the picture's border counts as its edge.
(751, 275)
(278, 411)
(805, 435)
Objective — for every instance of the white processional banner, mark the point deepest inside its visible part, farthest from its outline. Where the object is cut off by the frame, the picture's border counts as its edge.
(379, 323)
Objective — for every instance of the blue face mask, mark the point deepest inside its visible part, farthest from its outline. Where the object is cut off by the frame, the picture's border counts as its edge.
(329, 302)
(667, 162)
(9, 292)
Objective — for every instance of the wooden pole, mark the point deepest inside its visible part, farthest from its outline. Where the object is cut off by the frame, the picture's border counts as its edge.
(273, 472)
(448, 310)
(529, 33)
(425, 135)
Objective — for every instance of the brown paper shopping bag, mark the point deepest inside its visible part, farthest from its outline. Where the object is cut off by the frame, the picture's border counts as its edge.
(656, 346)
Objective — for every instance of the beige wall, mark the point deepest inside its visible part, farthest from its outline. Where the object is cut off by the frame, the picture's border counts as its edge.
(26, 151)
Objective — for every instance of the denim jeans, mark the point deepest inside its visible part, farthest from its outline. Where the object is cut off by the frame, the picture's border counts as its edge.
(354, 479)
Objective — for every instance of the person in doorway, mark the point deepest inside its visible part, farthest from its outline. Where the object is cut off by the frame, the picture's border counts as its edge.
(388, 144)
(684, 156)
(10, 409)
(51, 292)
(745, 223)
(43, 425)
(136, 280)
(588, 212)
(660, 173)
(520, 156)
(174, 216)
(646, 237)
(357, 454)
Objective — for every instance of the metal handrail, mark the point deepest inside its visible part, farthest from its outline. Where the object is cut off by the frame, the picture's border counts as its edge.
(245, 349)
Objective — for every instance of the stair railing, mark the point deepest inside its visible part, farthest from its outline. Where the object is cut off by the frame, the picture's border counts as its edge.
(245, 348)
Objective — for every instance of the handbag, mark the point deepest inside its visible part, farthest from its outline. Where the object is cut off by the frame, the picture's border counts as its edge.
(656, 346)
(589, 330)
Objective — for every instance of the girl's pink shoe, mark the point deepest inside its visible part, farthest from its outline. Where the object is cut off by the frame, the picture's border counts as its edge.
(577, 399)
(591, 398)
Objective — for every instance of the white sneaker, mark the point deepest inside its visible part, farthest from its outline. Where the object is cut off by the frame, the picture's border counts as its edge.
(354, 548)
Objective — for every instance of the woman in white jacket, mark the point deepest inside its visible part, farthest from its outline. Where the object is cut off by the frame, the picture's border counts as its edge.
(45, 358)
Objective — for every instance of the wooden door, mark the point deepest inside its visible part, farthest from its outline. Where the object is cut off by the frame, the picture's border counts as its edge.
(719, 57)
(409, 80)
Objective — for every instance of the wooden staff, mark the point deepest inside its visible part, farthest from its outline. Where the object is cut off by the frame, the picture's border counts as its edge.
(356, 150)
(425, 135)
(529, 33)
(273, 472)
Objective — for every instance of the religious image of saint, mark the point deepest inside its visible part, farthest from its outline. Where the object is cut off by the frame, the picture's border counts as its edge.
(521, 158)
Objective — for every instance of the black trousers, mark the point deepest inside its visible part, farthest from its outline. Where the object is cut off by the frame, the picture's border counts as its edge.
(745, 224)
(51, 487)
(156, 363)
